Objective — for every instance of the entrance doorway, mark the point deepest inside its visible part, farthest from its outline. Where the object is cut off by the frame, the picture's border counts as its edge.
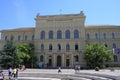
(50, 63)
(67, 62)
(58, 60)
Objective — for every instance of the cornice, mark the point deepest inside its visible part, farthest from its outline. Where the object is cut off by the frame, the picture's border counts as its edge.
(19, 30)
(60, 17)
(102, 26)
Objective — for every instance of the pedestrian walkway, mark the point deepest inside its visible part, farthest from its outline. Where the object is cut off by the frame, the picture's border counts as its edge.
(104, 72)
(37, 78)
(52, 74)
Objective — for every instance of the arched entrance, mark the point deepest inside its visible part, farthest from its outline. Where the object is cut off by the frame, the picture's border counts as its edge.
(50, 62)
(58, 60)
(67, 62)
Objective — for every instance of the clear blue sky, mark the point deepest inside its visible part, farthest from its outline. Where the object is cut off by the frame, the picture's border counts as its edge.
(21, 13)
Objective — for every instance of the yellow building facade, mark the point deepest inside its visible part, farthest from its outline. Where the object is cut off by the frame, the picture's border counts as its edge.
(60, 40)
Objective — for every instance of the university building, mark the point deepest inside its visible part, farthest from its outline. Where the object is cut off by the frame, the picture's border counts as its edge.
(60, 40)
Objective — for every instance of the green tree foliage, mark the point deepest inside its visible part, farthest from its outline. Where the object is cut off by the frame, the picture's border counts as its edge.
(14, 55)
(9, 54)
(97, 55)
(26, 52)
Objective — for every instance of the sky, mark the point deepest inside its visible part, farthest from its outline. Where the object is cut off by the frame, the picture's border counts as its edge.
(21, 13)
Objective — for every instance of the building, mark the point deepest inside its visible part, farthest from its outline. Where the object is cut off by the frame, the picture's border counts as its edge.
(60, 39)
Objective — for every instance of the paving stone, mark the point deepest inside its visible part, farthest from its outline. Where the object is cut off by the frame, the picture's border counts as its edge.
(70, 74)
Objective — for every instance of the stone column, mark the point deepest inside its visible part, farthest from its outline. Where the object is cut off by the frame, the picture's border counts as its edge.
(63, 60)
(71, 65)
(54, 60)
(45, 60)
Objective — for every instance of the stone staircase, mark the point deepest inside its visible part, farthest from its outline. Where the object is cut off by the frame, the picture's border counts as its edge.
(65, 76)
(52, 74)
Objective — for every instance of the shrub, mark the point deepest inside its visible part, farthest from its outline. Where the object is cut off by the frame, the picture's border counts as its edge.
(112, 69)
(96, 68)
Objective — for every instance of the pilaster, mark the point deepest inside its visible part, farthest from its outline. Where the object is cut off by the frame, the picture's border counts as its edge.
(63, 60)
(54, 60)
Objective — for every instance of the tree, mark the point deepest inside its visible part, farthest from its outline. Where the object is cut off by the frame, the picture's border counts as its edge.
(9, 54)
(96, 55)
(26, 52)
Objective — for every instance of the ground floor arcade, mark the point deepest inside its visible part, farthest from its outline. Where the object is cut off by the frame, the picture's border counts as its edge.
(64, 60)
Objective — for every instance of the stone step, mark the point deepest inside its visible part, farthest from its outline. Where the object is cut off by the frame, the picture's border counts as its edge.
(36, 78)
(64, 76)
(52, 74)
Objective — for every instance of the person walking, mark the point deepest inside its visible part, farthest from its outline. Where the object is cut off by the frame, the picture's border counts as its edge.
(14, 72)
(79, 68)
(10, 73)
(23, 68)
(17, 72)
(59, 70)
(1, 73)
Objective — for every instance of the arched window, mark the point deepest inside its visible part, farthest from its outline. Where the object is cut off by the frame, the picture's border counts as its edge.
(106, 45)
(41, 58)
(87, 36)
(26, 37)
(114, 45)
(76, 58)
(12, 37)
(19, 38)
(76, 46)
(50, 47)
(33, 37)
(96, 35)
(67, 47)
(59, 34)
(67, 34)
(50, 34)
(76, 34)
(6, 38)
(59, 47)
(42, 47)
(42, 36)
(104, 36)
(113, 36)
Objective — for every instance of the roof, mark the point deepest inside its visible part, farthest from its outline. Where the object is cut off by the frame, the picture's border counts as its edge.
(102, 26)
(86, 26)
(20, 29)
